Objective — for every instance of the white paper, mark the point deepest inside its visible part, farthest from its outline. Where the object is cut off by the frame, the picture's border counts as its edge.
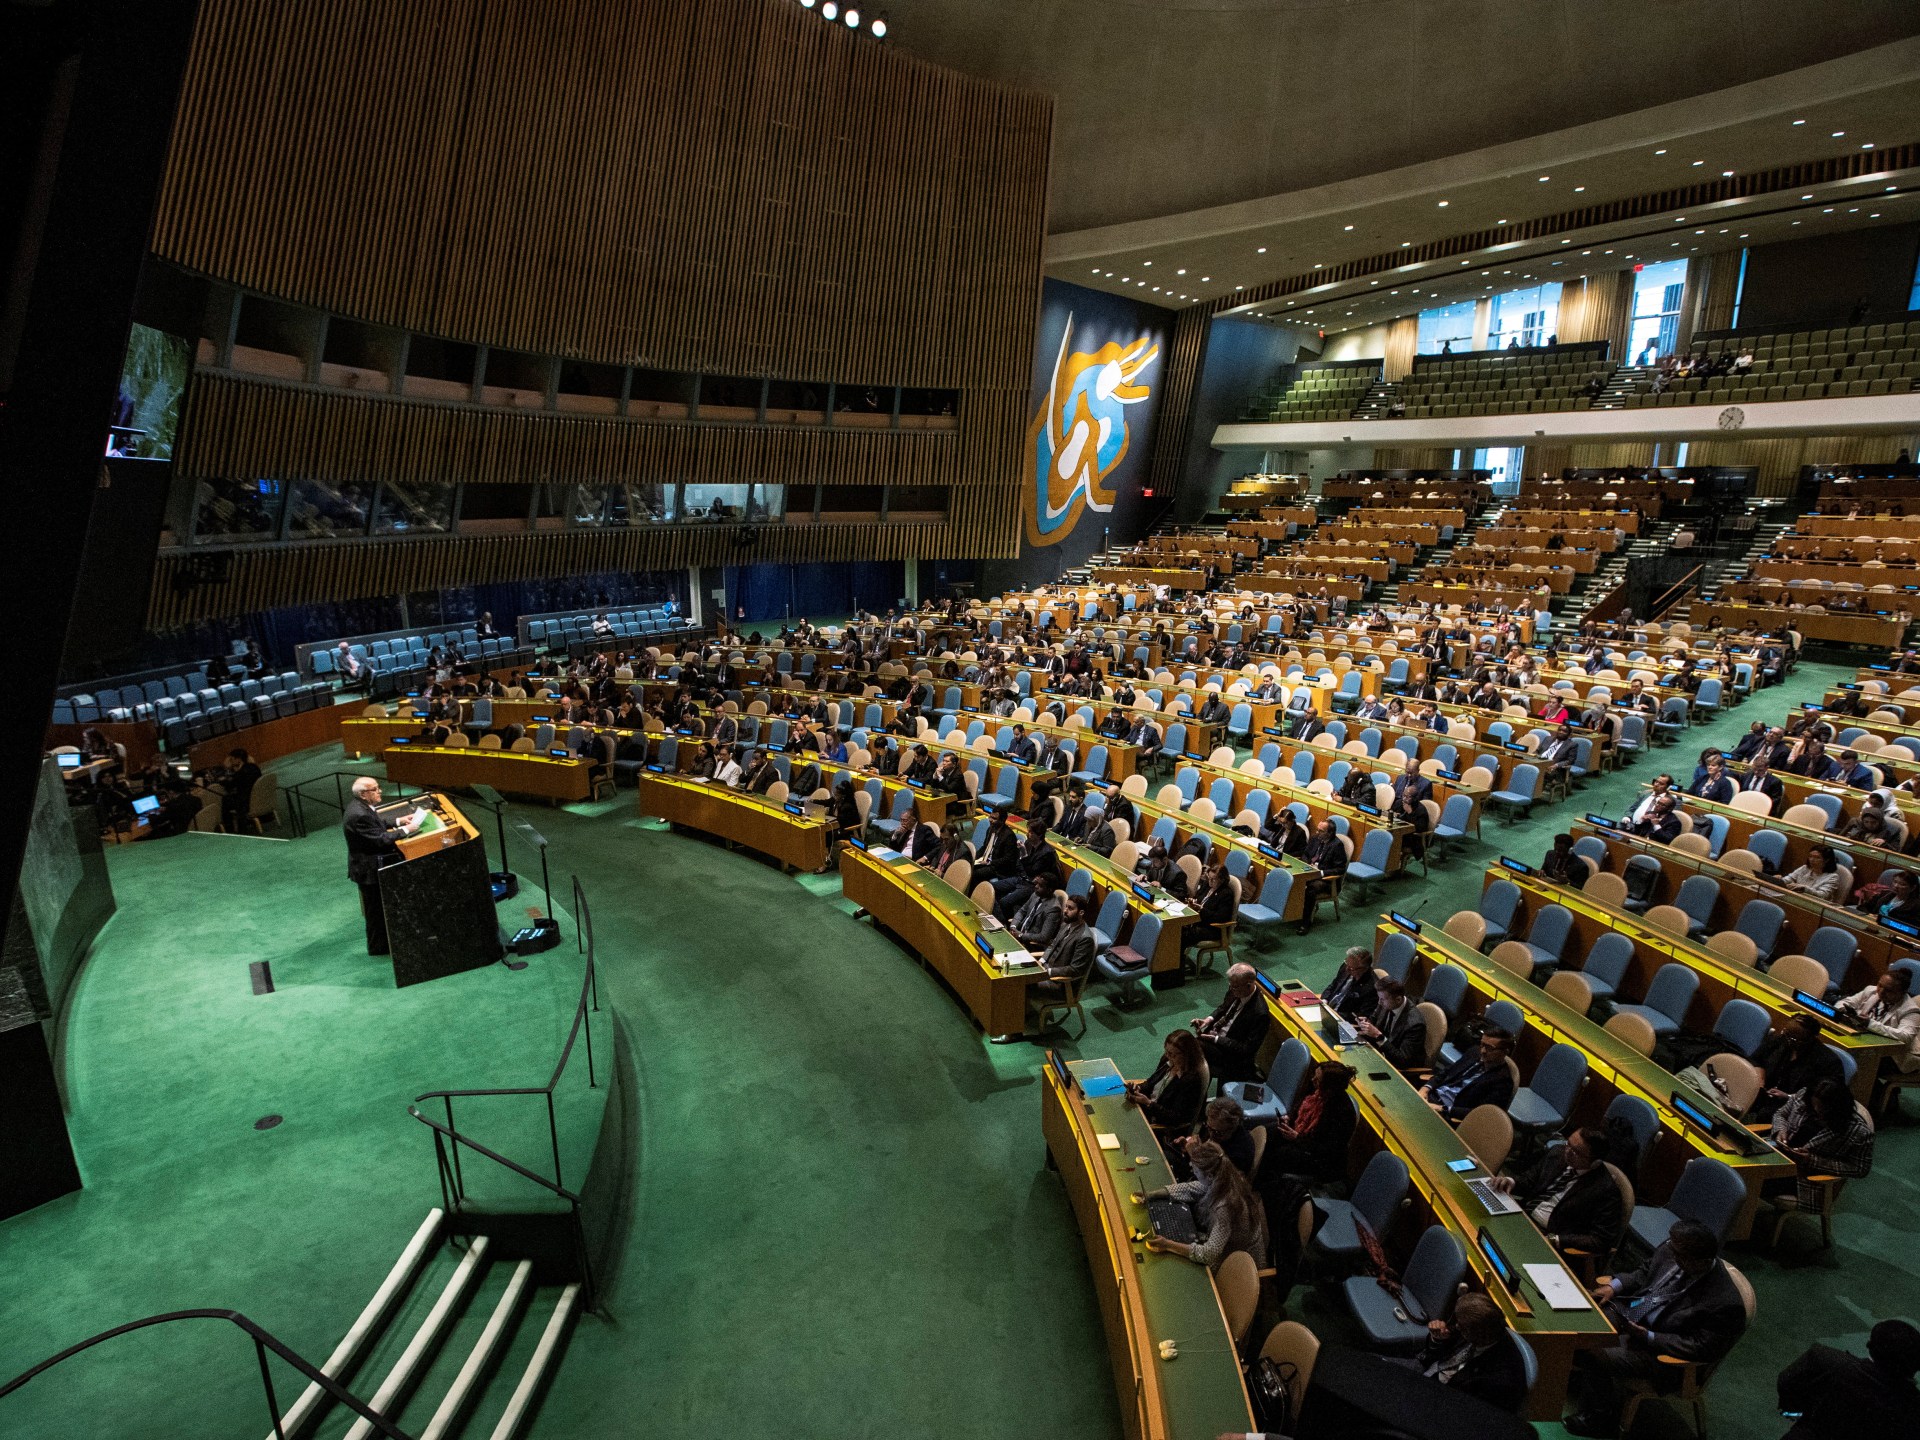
(1559, 1289)
(1107, 1142)
(1012, 958)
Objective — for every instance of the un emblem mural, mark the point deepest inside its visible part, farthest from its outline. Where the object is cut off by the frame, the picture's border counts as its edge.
(1079, 435)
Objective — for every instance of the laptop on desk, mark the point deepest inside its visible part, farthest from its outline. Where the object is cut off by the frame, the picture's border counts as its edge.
(1173, 1220)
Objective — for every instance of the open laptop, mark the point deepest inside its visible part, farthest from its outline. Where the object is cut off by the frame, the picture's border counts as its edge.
(1173, 1220)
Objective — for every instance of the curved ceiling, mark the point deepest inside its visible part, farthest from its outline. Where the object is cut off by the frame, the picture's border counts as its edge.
(1170, 106)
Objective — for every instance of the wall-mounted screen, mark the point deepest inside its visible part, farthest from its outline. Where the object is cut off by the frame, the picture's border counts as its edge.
(153, 380)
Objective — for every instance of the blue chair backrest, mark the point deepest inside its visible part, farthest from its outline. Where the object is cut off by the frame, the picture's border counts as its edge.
(1717, 829)
(1639, 1120)
(1698, 894)
(1408, 746)
(1163, 831)
(1370, 737)
(1375, 848)
(1834, 948)
(1525, 781)
(1446, 987)
(1380, 1189)
(1499, 901)
(1289, 1068)
(1187, 780)
(1176, 738)
(1113, 912)
(1275, 889)
(1593, 848)
(1269, 756)
(1560, 1074)
(1438, 1266)
(1500, 730)
(1396, 956)
(1507, 1016)
(1080, 882)
(1760, 922)
(1742, 1024)
(1146, 935)
(1529, 1368)
(975, 729)
(1827, 804)
(1710, 1192)
(1550, 929)
(1241, 721)
(1221, 793)
(1337, 774)
(1458, 810)
(1609, 959)
(902, 803)
(1300, 811)
(1770, 846)
(1239, 863)
(1258, 802)
(1397, 671)
(1672, 991)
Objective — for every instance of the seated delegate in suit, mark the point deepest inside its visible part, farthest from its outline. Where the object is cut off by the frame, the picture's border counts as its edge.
(1760, 777)
(914, 838)
(236, 790)
(1284, 832)
(1230, 1037)
(1562, 866)
(1068, 955)
(1819, 877)
(1823, 1132)
(1097, 835)
(1886, 1008)
(1327, 853)
(1832, 1395)
(1680, 1303)
(1713, 783)
(1662, 823)
(1035, 857)
(1352, 992)
(1215, 902)
(1411, 790)
(1395, 1028)
(1171, 1096)
(1119, 808)
(1473, 1353)
(1570, 1194)
(1660, 785)
(1224, 1123)
(1791, 1059)
(1480, 1077)
(1226, 1212)
(1312, 1140)
(1035, 923)
(950, 849)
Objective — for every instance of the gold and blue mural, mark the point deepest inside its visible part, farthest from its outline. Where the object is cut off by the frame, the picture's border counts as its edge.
(1080, 434)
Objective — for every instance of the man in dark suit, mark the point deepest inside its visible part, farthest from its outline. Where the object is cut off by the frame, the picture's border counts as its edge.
(914, 838)
(1760, 777)
(1754, 740)
(1423, 689)
(1661, 822)
(371, 844)
(1559, 753)
(1681, 1304)
(1231, 1035)
(1473, 1353)
(1020, 749)
(1571, 1195)
(1328, 855)
(1310, 725)
(1395, 1028)
(1410, 790)
(1837, 1396)
(236, 791)
(1146, 735)
(1480, 1077)
(1068, 958)
(1073, 811)
(1119, 807)
(1352, 993)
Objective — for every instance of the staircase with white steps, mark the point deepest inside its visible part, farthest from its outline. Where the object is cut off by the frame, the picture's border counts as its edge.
(455, 1344)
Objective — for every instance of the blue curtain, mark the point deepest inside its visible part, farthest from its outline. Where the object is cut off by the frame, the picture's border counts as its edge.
(774, 593)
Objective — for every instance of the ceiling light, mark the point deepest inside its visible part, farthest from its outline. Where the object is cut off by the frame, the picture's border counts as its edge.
(1799, 122)
(1445, 203)
(830, 10)
(1500, 222)
(1146, 262)
(1827, 211)
(1320, 267)
(1205, 278)
(1578, 188)
(1659, 152)
(1806, 197)
(1545, 178)
(1838, 134)
(1126, 279)
(878, 29)
(853, 19)
(1179, 272)
(1406, 244)
(1874, 216)
(1699, 162)
(807, 3)
(1867, 146)
(1725, 174)
(1349, 227)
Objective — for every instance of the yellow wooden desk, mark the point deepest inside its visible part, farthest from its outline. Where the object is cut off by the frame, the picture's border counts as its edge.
(1107, 877)
(798, 842)
(511, 772)
(1399, 1120)
(1141, 575)
(941, 926)
(1721, 979)
(1613, 1068)
(1293, 581)
(1839, 628)
(1145, 1297)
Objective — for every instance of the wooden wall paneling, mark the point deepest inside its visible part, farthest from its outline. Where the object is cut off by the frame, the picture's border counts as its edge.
(1173, 421)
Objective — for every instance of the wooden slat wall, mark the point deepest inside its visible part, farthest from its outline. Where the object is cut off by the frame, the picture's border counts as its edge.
(732, 186)
(273, 576)
(1173, 426)
(1403, 341)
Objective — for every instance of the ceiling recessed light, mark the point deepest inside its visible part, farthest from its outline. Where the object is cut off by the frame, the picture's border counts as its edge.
(1799, 122)
(1126, 279)
(1500, 222)
(1578, 188)
(1205, 278)
(1349, 227)
(1874, 216)
(1545, 178)
(1827, 211)
(1726, 174)
(1320, 267)
(1659, 152)
(1261, 251)
(1867, 146)
(1406, 244)
(1699, 162)
(1838, 134)
(1444, 203)
(1806, 197)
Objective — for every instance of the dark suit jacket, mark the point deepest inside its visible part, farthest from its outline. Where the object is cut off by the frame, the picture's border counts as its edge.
(370, 841)
(1768, 786)
(1700, 1323)
(1720, 791)
(1071, 953)
(1590, 1216)
(1494, 1375)
(1493, 1086)
(1248, 1028)
(924, 839)
(1352, 995)
(1329, 856)
(1002, 857)
(1403, 1036)
(1417, 789)
(1842, 1397)
(1179, 1104)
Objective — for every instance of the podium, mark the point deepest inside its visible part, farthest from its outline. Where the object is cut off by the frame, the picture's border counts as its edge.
(438, 898)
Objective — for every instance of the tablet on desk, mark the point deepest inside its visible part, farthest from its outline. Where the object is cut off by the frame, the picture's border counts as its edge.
(147, 805)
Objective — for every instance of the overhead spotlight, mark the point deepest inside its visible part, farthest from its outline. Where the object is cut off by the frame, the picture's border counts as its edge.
(1725, 173)
(808, 4)
(1445, 203)
(1839, 134)
(852, 17)
(1545, 178)
(830, 10)
(878, 27)
(1799, 122)
(1659, 152)
(1867, 146)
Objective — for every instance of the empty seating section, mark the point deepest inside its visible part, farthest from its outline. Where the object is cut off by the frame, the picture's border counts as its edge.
(1321, 392)
(393, 659)
(563, 630)
(187, 709)
(1502, 384)
(1805, 365)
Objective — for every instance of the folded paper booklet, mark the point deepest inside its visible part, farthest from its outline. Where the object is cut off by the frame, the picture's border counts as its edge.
(1107, 1142)
(1560, 1290)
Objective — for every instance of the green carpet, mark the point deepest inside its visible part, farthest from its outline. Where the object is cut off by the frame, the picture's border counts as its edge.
(843, 1225)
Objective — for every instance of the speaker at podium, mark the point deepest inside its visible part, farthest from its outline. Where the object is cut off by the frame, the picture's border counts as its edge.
(438, 897)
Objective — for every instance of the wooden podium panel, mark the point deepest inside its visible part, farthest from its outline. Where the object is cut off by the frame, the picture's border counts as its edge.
(439, 898)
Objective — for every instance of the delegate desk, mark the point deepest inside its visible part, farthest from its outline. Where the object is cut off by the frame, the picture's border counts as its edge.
(1886, 730)
(1145, 1297)
(1866, 862)
(1283, 788)
(798, 842)
(1613, 1068)
(1275, 582)
(1878, 947)
(1834, 626)
(1402, 1122)
(1864, 573)
(1489, 554)
(1625, 521)
(1721, 979)
(557, 779)
(943, 928)
(1352, 563)
(1422, 592)
(1141, 575)
(1175, 915)
(1395, 552)
(1483, 574)
(438, 898)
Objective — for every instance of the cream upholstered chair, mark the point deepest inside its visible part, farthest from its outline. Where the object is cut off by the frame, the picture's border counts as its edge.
(1572, 989)
(1634, 1031)
(1608, 888)
(1238, 1279)
(1693, 843)
(1468, 926)
(1735, 946)
(1670, 918)
(1743, 860)
(1487, 1131)
(1740, 1077)
(1513, 955)
(1801, 972)
(960, 876)
(1752, 802)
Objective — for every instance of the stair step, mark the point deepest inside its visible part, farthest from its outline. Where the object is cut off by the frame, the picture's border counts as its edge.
(528, 1389)
(306, 1409)
(406, 1370)
(461, 1393)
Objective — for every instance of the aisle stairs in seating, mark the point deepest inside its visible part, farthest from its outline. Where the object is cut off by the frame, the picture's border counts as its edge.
(457, 1341)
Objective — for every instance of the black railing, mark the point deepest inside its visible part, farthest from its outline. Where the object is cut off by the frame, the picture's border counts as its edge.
(1675, 593)
(263, 1341)
(312, 791)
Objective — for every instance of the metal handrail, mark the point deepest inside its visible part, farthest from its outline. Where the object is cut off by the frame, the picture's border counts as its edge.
(1674, 593)
(589, 995)
(263, 1341)
(296, 812)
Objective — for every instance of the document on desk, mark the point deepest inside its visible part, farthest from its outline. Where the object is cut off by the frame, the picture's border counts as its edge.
(1010, 959)
(1557, 1287)
(1098, 1085)
(1107, 1141)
